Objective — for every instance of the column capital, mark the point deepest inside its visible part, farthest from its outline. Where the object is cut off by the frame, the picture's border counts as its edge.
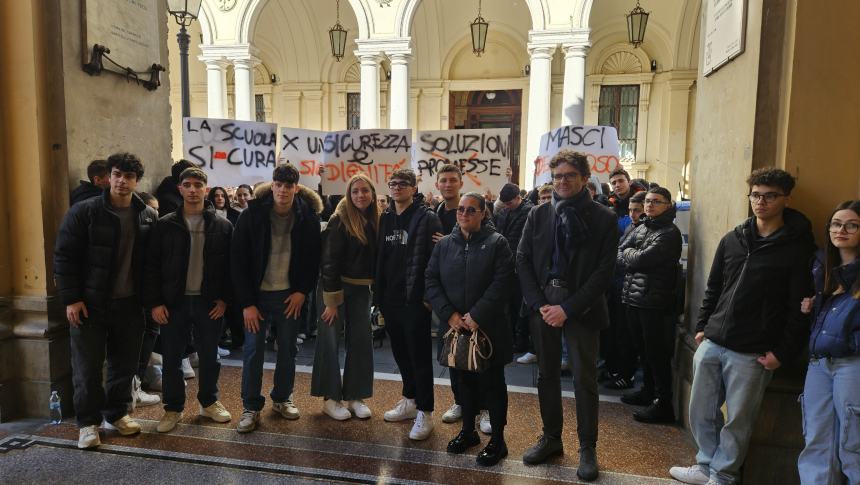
(248, 62)
(399, 57)
(214, 62)
(575, 50)
(368, 58)
(541, 51)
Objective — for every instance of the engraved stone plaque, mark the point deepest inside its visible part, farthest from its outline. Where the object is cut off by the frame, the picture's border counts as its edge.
(129, 28)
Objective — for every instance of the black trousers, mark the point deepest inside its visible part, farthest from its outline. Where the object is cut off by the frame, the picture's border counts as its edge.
(408, 328)
(486, 390)
(147, 346)
(655, 332)
(114, 332)
(582, 345)
(617, 345)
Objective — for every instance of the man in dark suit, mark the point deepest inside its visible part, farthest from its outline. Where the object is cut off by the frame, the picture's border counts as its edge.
(565, 262)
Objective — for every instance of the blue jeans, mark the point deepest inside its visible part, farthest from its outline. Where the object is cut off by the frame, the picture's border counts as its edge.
(722, 376)
(831, 422)
(190, 315)
(271, 307)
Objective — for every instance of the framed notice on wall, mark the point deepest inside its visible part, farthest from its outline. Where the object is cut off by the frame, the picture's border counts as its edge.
(129, 28)
(725, 31)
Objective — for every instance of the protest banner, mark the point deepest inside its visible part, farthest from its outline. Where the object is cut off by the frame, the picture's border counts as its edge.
(599, 143)
(230, 152)
(375, 153)
(482, 155)
(299, 148)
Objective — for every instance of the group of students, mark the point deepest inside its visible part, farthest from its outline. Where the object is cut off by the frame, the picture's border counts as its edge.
(552, 264)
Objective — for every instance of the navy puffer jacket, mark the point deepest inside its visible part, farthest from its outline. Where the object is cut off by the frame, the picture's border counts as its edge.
(836, 329)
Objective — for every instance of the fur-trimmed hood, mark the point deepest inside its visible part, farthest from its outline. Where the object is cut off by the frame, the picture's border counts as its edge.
(264, 192)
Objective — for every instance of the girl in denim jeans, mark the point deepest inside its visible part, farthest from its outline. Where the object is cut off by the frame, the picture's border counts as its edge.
(831, 395)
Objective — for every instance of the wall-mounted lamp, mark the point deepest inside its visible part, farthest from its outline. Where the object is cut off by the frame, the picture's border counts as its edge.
(653, 65)
(527, 70)
(274, 78)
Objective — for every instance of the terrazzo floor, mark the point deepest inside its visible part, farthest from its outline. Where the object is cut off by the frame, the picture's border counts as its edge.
(317, 449)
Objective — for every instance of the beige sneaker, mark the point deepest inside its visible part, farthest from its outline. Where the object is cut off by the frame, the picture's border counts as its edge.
(248, 421)
(216, 412)
(286, 409)
(126, 426)
(335, 410)
(359, 409)
(88, 437)
(168, 421)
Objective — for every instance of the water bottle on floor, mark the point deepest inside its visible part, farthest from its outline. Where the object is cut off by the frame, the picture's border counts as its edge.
(54, 408)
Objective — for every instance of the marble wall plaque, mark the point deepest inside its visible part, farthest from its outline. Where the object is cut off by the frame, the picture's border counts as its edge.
(129, 28)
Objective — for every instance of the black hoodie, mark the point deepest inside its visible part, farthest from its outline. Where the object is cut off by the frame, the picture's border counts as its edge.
(169, 198)
(752, 300)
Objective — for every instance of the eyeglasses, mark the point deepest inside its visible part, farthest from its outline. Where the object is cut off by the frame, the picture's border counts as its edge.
(850, 227)
(567, 177)
(768, 197)
(467, 210)
(399, 185)
(654, 202)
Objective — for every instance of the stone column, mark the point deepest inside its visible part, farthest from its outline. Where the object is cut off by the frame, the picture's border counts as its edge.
(399, 105)
(216, 87)
(538, 117)
(243, 88)
(573, 97)
(369, 89)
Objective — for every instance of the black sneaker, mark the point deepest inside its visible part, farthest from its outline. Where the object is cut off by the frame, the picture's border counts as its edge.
(638, 398)
(660, 411)
(545, 448)
(463, 441)
(618, 383)
(494, 452)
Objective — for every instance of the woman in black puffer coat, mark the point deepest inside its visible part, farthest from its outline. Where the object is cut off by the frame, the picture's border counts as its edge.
(650, 258)
(468, 280)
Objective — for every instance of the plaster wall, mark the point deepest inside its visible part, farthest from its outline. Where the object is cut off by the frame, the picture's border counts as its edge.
(722, 156)
(106, 114)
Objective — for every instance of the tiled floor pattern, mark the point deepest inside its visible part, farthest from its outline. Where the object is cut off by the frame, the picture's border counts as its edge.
(317, 448)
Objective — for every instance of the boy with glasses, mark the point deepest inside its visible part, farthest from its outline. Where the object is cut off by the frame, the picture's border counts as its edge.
(405, 243)
(749, 324)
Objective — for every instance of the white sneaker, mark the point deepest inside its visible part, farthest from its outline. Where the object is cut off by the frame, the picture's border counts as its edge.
(485, 425)
(216, 412)
(168, 421)
(422, 427)
(248, 421)
(403, 410)
(187, 370)
(359, 409)
(194, 360)
(222, 352)
(527, 358)
(139, 398)
(88, 437)
(692, 474)
(299, 340)
(155, 359)
(453, 414)
(335, 410)
(286, 409)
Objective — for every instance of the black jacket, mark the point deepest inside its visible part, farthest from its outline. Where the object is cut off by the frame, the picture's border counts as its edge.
(589, 270)
(650, 257)
(752, 300)
(86, 190)
(344, 257)
(168, 255)
(474, 277)
(423, 225)
(233, 215)
(169, 198)
(85, 252)
(510, 223)
(252, 241)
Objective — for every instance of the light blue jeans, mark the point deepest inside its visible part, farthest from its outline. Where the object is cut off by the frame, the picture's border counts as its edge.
(722, 376)
(831, 422)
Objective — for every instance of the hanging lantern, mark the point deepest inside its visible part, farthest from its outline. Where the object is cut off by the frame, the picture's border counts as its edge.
(479, 33)
(637, 20)
(337, 36)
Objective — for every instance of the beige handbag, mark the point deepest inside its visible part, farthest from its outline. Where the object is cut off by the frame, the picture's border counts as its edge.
(469, 351)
